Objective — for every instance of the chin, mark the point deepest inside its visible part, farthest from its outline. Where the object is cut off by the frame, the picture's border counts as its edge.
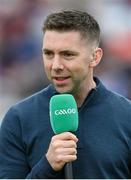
(63, 90)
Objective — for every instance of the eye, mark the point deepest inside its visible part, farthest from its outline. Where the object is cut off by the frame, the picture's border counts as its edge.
(48, 54)
(68, 55)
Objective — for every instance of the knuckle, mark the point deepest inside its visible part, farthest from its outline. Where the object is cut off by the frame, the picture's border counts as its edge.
(75, 151)
(57, 151)
(74, 157)
(69, 133)
(58, 158)
(73, 143)
(53, 138)
(55, 145)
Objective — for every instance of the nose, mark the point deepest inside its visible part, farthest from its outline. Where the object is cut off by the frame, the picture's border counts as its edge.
(57, 64)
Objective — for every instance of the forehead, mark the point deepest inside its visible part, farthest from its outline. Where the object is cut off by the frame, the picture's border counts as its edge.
(63, 39)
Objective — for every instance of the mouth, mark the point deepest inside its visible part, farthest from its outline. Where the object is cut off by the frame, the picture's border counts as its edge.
(61, 80)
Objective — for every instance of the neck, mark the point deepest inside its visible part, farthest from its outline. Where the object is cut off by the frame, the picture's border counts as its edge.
(83, 93)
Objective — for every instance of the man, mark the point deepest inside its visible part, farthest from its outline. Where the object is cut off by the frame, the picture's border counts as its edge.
(101, 146)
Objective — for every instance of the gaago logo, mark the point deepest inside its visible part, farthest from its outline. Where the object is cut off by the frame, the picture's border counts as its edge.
(65, 111)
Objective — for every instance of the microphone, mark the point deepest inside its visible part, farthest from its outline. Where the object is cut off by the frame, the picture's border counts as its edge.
(64, 118)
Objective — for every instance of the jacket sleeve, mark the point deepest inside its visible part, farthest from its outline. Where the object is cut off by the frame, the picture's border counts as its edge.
(43, 170)
(13, 160)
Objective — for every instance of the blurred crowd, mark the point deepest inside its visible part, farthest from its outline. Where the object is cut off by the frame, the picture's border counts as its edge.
(21, 68)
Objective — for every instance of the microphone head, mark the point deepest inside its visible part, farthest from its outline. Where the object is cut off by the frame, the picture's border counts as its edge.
(63, 113)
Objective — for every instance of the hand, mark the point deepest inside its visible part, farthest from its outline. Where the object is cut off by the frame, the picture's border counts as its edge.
(62, 149)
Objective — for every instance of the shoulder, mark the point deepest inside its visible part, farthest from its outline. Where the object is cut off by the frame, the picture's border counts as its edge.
(118, 107)
(35, 99)
(118, 99)
(31, 106)
(111, 99)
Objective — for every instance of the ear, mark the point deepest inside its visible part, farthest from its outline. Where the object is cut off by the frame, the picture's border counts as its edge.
(96, 57)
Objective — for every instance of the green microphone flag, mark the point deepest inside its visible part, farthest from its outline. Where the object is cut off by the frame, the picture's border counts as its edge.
(63, 113)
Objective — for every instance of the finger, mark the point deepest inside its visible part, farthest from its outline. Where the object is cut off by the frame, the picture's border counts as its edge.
(69, 158)
(69, 144)
(65, 136)
(64, 144)
(67, 151)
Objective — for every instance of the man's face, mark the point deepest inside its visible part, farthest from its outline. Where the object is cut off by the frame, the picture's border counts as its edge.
(66, 59)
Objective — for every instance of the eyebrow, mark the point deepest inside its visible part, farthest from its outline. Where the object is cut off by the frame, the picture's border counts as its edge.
(69, 51)
(45, 50)
(61, 52)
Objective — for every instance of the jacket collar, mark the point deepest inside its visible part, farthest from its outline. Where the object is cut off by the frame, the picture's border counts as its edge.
(95, 95)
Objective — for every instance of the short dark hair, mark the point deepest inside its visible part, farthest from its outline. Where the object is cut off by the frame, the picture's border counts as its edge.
(74, 20)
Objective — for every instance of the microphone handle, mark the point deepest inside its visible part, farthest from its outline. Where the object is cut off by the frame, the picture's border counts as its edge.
(68, 171)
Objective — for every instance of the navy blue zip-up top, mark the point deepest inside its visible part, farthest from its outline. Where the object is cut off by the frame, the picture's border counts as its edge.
(104, 133)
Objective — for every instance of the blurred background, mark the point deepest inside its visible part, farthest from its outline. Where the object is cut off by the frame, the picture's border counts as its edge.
(21, 68)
